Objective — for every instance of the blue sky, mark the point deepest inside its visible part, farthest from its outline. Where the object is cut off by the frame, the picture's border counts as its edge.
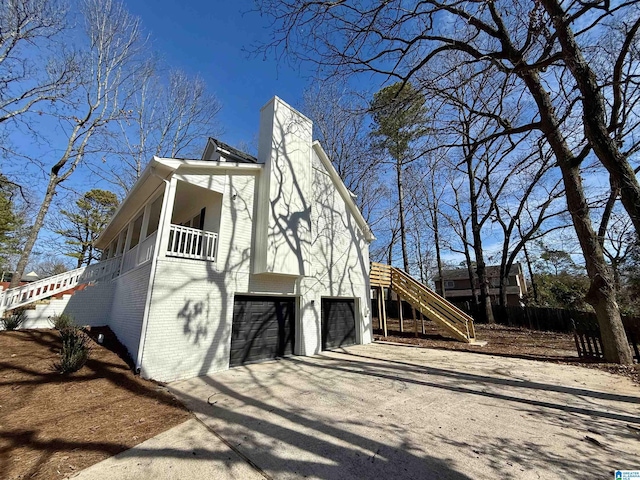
(210, 39)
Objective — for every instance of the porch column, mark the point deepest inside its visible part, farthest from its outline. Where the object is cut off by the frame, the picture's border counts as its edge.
(127, 241)
(165, 216)
(145, 221)
(119, 245)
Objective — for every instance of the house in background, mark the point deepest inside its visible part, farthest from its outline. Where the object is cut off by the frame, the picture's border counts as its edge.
(226, 260)
(457, 285)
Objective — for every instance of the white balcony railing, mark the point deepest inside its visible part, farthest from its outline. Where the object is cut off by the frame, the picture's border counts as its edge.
(186, 242)
(140, 254)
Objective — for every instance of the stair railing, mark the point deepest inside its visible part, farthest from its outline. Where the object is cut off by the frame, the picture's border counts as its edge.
(47, 287)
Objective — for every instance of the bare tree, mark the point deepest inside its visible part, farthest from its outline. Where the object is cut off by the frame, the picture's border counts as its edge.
(513, 38)
(458, 220)
(113, 41)
(340, 124)
(618, 244)
(426, 197)
(170, 118)
(30, 73)
(601, 127)
(528, 211)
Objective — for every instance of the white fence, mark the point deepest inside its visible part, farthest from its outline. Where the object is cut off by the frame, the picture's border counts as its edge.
(186, 242)
(47, 287)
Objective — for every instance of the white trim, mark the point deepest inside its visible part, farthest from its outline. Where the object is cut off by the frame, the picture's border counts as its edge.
(347, 196)
(175, 164)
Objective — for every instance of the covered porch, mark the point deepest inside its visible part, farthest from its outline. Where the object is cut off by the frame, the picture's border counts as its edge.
(177, 219)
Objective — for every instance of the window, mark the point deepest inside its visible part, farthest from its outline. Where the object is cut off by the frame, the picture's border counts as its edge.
(195, 222)
(449, 284)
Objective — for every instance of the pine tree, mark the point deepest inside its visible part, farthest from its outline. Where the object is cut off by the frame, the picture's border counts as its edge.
(85, 222)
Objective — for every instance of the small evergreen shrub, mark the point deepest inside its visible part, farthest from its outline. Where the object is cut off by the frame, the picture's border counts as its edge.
(14, 320)
(63, 322)
(75, 350)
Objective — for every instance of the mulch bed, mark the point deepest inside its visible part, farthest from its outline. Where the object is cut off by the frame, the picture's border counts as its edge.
(53, 425)
(505, 341)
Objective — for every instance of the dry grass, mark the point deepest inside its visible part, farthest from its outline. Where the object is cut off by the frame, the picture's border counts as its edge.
(504, 341)
(53, 425)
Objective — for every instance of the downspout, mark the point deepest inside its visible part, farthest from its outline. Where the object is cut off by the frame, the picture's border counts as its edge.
(152, 273)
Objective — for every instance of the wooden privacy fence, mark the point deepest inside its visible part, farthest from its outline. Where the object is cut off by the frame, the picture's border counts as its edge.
(583, 325)
(586, 333)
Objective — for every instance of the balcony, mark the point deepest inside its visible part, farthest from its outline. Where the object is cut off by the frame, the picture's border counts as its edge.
(187, 242)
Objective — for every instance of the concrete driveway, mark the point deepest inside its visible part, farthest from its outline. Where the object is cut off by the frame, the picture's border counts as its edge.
(386, 411)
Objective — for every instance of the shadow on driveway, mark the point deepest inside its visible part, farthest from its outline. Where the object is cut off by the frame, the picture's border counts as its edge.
(383, 411)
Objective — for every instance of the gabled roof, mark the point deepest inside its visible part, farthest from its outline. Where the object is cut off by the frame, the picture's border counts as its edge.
(225, 150)
(346, 195)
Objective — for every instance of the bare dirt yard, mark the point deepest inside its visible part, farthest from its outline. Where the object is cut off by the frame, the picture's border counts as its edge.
(503, 341)
(53, 425)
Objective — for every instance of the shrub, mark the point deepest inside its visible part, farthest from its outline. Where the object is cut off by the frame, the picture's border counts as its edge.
(75, 350)
(63, 322)
(15, 319)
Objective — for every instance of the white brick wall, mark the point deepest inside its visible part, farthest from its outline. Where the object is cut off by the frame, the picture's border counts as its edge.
(340, 258)
(189, 326)
(130, 293)
(91, 306)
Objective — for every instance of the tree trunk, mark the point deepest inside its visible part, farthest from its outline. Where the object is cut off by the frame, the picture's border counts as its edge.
(35, 230)
(403, 233)
(601, 292)
(476, 230)
(594, 115)
(436, 239)
(420, 261)
(472, 277)
(485, 297)
(534, 287)
(504, 284)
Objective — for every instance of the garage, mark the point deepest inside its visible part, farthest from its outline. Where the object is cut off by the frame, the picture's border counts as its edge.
(263, 329)
(338, 322)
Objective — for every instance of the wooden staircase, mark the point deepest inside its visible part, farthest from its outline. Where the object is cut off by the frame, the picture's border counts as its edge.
(456, 322)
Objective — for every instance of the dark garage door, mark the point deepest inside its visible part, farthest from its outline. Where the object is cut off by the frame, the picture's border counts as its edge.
(263, 328)
(338, 323)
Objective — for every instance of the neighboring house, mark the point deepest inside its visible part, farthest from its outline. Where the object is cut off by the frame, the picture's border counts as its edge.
(229, 259)
(457, 285)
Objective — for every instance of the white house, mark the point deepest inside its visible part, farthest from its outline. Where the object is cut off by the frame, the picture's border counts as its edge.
(230, 259)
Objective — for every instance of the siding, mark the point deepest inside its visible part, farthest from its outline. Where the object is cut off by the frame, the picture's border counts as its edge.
(340, 260)
(127, 311)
